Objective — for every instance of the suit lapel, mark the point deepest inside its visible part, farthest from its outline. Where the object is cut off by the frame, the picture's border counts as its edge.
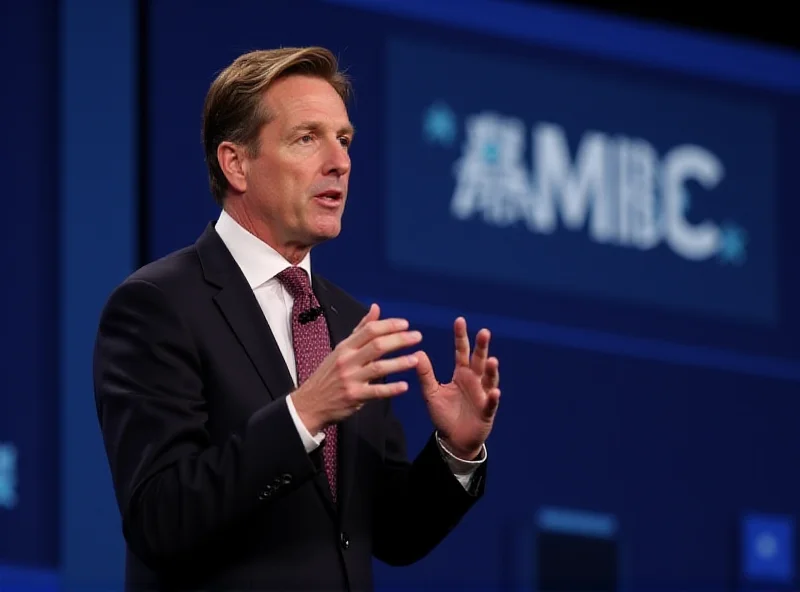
(241, 310)
(340, 328)
(238, 305)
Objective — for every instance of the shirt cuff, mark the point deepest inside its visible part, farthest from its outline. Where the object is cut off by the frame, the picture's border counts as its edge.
(309, 442)
(462, 469)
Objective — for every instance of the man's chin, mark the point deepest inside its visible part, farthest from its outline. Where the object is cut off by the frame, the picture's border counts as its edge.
(326, 232)
(328, 236)
(327, 226)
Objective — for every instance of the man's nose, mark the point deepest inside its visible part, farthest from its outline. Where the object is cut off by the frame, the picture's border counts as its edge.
(338, 160)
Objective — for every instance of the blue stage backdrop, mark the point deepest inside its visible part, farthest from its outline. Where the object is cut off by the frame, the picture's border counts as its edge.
(615, 203)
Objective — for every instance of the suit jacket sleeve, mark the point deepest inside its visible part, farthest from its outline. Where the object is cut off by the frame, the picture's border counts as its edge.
(179, 494)
(419, 503)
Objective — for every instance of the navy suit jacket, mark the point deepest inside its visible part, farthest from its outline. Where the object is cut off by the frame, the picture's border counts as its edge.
(214, 486)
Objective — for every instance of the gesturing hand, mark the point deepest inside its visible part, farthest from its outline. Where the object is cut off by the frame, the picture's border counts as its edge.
(463, 410)
(341, 384)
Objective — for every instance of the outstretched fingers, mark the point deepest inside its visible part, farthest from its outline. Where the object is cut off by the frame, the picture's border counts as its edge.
(385, 389)
(379, 369)
(427, 378)
(491, 374)
(478, 362)
(373, 314)
(492, 402)
(374, 329)
(461, 341)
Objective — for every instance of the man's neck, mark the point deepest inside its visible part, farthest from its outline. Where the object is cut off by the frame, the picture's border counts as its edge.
(293, 253)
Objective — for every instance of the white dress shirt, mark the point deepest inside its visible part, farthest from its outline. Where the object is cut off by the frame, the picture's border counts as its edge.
(260, 265)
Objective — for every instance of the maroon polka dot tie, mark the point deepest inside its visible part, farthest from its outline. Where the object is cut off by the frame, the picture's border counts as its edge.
(312, 343)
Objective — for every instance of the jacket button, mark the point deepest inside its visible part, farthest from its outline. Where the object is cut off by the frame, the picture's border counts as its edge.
(344, 540)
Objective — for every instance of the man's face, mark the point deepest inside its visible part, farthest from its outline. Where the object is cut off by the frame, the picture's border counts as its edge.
(298, 182)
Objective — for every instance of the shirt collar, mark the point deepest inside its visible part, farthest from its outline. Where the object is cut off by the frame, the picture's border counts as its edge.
(258, 261)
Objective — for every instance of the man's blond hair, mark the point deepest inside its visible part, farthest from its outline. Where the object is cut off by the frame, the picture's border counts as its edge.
(234, 110)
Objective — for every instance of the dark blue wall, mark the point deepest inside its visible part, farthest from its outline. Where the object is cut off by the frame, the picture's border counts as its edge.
(29, 402)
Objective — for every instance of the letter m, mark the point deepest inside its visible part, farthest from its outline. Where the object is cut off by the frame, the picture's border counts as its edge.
(571, 189)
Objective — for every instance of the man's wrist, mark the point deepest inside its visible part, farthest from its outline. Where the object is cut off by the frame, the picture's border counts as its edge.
(459, 453)
(311, 423)
(310, 440)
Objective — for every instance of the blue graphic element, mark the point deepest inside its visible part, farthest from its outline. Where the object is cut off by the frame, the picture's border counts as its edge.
(440, 124)
(535, 176)
(733, 239)
(577, 522)
(8, 476)
(768, 548)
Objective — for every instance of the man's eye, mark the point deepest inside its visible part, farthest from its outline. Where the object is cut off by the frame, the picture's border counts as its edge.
(307, 138)
(345, 141)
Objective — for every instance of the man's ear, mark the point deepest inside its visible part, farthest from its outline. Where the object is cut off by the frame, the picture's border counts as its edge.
(231, 159)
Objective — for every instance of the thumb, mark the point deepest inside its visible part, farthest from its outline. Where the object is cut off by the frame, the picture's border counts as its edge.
(427, 379)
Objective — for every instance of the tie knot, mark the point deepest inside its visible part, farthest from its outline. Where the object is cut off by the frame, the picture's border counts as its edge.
(296, 280)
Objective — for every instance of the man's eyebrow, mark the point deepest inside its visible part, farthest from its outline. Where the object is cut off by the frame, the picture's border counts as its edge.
(348, 129)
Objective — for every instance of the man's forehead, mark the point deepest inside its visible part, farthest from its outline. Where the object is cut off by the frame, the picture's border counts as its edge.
(298, 92)
(310, 118)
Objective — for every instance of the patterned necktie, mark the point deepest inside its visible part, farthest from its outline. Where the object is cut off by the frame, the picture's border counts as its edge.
(312, 343)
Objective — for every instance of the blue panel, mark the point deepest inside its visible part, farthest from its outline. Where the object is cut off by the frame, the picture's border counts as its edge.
(617, 38)
(98, 228)
(548, 174)
(768, 548)
(577, 522)
(15, 579)
(28, 299)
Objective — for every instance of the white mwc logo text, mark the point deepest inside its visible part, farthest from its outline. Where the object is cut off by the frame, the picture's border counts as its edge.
(617, 188)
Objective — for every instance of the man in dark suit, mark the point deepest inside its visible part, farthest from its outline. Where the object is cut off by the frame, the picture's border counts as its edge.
(243, 399)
